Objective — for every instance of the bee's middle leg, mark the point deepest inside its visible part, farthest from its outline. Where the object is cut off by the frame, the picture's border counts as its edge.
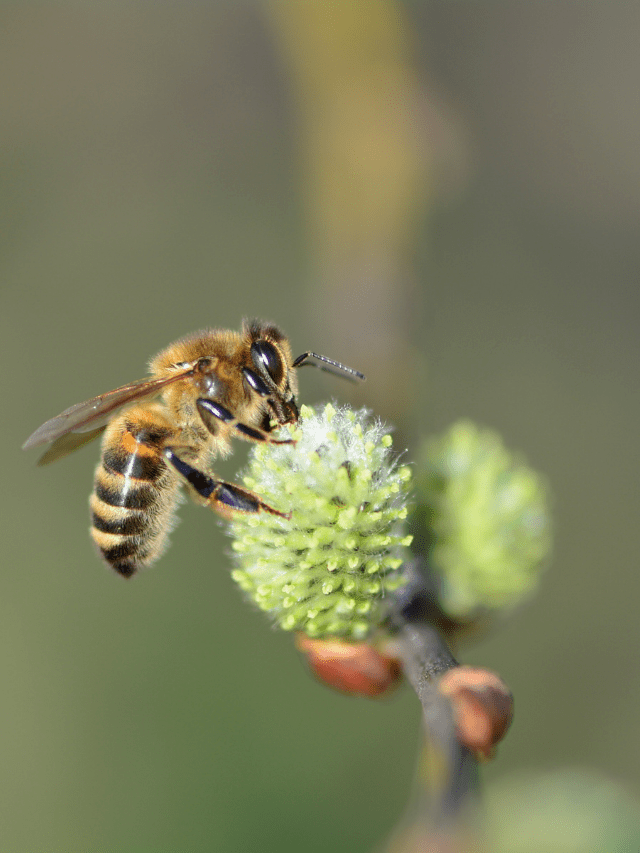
(224, 498)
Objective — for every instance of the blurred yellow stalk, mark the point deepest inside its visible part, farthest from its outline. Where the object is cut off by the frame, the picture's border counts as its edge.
(364, 168)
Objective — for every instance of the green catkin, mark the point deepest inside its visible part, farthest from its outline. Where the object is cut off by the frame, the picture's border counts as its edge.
(481, 520)
(328, 569)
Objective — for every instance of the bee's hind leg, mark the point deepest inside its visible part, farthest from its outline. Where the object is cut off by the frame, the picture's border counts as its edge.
(224, 498)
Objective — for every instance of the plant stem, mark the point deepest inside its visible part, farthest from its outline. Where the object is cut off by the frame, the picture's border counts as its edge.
(447, 780)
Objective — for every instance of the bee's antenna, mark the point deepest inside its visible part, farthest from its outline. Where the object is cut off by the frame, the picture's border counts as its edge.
(342, 369)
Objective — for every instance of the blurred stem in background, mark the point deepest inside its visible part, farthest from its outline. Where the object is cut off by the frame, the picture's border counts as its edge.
(365, 166)
(365, 162)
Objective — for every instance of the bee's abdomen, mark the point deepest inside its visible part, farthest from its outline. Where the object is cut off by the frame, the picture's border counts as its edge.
(135, 495)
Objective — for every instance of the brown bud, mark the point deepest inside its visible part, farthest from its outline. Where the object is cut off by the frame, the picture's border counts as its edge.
(356, 668)
(482, 707)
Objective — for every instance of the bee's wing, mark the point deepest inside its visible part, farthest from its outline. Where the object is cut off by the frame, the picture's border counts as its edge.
(90, 418)
(67, 443)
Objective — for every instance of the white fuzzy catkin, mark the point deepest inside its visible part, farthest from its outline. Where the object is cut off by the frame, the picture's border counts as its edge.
(326, 570)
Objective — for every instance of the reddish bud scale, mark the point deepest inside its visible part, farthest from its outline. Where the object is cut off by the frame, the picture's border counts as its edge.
(356, 668)
(482, 707)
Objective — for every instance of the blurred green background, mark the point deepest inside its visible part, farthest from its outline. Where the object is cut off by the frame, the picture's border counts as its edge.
(444, 195)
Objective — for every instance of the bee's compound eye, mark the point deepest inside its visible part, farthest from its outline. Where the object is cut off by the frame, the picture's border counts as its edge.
(265, 357)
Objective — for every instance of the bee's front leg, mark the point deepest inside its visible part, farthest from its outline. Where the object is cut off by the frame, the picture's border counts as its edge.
(224, 498)
(212, 413)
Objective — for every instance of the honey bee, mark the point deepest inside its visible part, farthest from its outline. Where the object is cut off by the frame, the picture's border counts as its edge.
(163, 432)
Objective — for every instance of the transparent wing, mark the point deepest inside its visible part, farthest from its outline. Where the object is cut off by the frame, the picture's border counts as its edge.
(67, 443)
(94, 414)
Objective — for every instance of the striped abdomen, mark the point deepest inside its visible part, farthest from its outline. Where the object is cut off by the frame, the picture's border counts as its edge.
(135, 493)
